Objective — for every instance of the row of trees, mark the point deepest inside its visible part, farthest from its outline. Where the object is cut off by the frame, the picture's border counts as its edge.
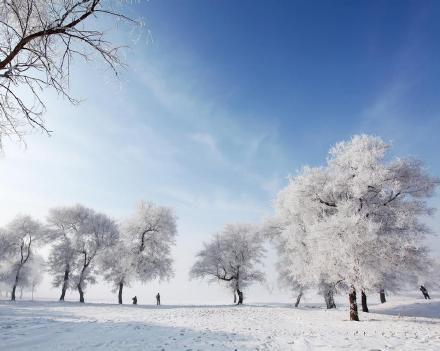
(85, 243)
(354, 224)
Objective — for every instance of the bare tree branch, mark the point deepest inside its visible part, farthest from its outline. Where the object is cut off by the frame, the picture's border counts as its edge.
(38, 39)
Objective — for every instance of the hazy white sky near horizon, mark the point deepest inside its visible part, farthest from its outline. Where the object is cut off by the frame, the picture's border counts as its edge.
(167, 132)
(121, 145)
(105, 154)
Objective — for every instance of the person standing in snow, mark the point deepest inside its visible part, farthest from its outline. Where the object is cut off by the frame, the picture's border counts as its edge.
(425, 292)
(135, 300)
(158, 299)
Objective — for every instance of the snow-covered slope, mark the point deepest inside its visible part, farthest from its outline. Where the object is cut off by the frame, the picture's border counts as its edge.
(401, 324)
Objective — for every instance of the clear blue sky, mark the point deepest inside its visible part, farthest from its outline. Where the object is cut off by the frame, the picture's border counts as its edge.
(220, 102)
(318, 71)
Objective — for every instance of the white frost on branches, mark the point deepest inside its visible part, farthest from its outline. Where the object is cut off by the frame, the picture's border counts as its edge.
(39, 39)
(233, 256)
(355, 221)
(143, 251)
(150, 234)
(19, 239)
(79, 236)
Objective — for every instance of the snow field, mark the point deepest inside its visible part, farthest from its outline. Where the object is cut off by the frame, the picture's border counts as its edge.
(402, 324)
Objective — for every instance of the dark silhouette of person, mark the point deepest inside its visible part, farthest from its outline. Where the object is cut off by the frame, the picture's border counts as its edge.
(135, 300)
(425, 292)
(158, 299)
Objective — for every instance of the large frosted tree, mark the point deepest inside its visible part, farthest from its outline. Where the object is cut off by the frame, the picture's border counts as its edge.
(148, 235)
(79, 236)
(96, 233)
(357, 220)
(233, 256)
(64, 224)
(118, 265)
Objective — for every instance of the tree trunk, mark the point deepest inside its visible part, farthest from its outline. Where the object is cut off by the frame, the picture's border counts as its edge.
(364, 301)
(81, 276)
(81, 293)
(235, 297)
(121, 286)
(382, 296)
(240, 297)
(353, 304)
(21, 293)
(13, 292)
(298, 299)
(65, 284)
(63, 293)
(329, 298)
(17, 277)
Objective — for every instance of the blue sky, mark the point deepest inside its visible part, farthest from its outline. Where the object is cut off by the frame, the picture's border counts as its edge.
(318, 71)
(219, 103)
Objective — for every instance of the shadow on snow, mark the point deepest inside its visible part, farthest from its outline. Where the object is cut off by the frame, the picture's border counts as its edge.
(426, 309)
(23, 327)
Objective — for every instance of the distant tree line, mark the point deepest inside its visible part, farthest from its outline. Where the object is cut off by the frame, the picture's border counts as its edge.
(84, 243)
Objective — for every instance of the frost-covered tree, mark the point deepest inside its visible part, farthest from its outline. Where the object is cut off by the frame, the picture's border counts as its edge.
(149, 235)
(61, 263)
(65, 224)
(79, 235)
(94, 234)
(233, 256)
(143, 251)
(118, 266)
(21, 236)
(356, 220)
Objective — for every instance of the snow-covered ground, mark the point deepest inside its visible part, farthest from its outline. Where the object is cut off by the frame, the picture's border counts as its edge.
(402, 323)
